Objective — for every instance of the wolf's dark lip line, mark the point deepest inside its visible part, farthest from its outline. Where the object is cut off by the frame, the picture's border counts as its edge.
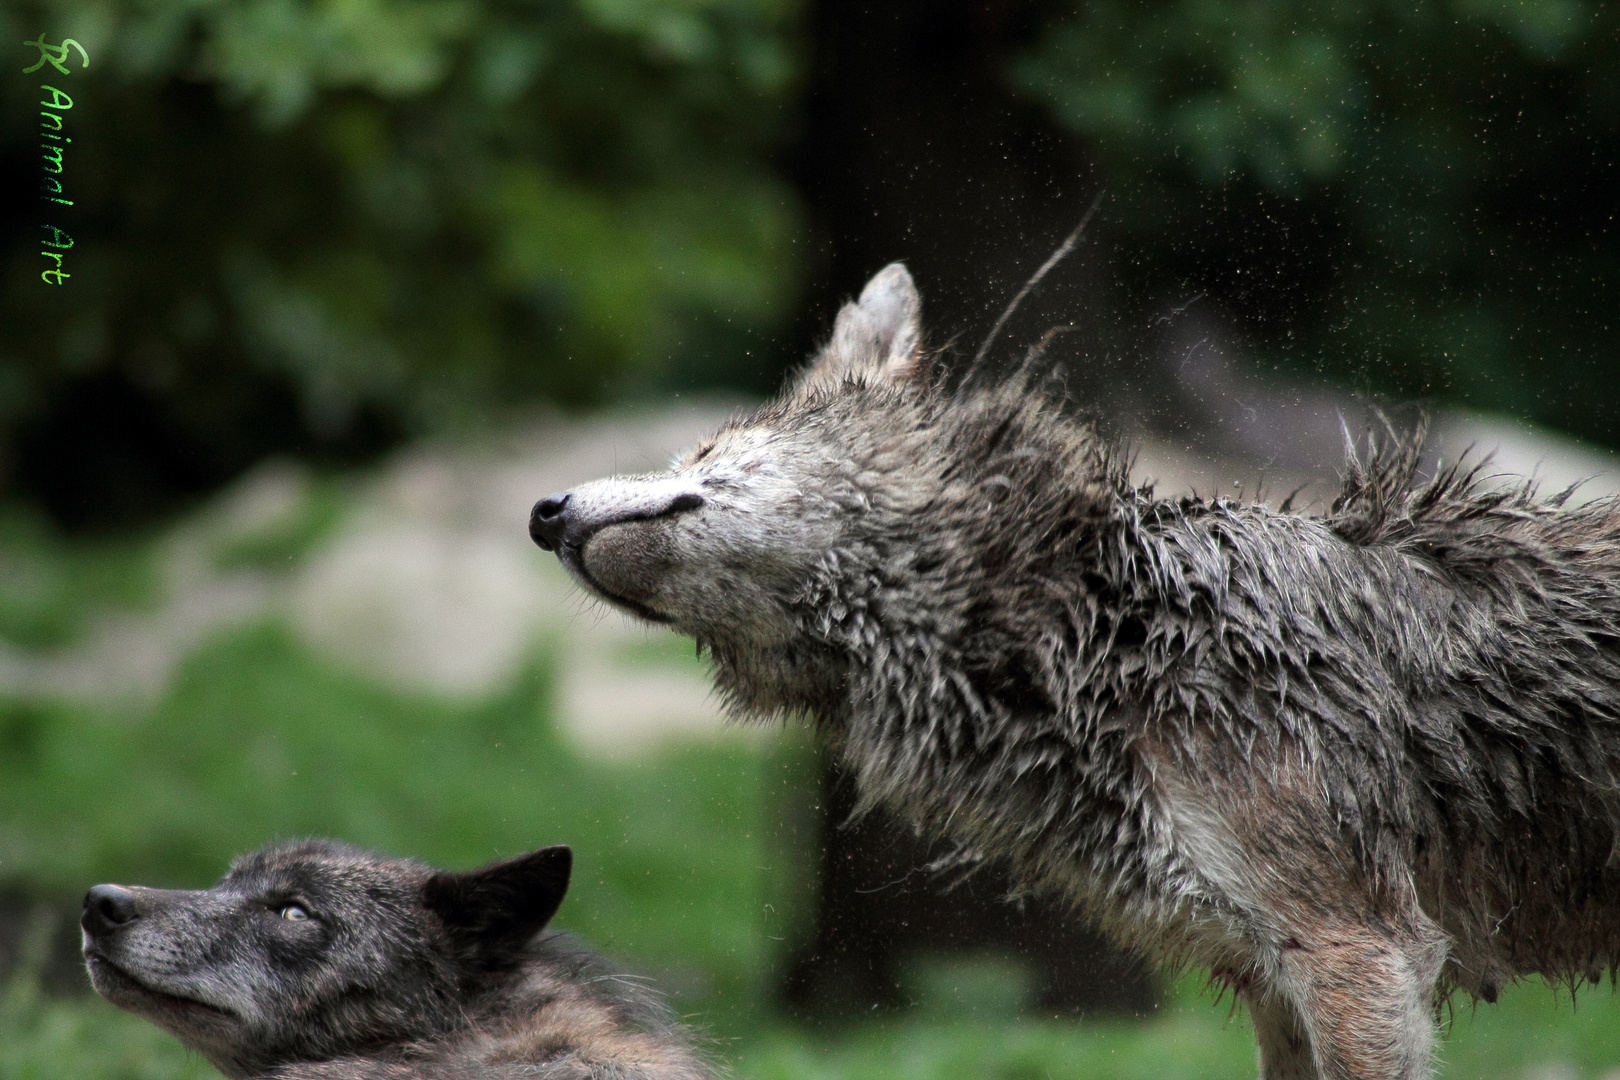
(149, 991)
(573, 557)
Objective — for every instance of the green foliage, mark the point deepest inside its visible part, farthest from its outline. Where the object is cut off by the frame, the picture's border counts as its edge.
(1531, 1032)
(675, 857)
(418, 210)
(50, 586)
(1282, 89)
(1418, 197)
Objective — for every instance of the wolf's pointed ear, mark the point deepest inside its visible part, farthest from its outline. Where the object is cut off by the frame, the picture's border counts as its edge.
(494, 911)
(878, 337)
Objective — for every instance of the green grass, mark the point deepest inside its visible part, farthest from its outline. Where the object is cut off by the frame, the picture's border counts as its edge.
(1531, 1032)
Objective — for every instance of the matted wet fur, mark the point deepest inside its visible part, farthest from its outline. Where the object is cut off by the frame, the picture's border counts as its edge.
(316, 961)
(1348, 763)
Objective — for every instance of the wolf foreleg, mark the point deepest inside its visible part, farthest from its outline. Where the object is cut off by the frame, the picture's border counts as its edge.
(1354, 1001)
(1285, 1048)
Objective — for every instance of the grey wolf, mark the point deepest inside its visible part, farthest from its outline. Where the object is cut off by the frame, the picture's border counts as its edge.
(316, 961)
(1349, 763)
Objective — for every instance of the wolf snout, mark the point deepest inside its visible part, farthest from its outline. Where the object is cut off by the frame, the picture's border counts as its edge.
(548, 521)
(557, 519)
(107, 907)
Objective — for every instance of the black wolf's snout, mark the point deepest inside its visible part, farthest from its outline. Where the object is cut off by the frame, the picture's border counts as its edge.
(548, 520)
(107, 907)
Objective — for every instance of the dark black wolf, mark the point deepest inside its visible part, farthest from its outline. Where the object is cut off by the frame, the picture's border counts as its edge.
(316, 961)
(1347, 762)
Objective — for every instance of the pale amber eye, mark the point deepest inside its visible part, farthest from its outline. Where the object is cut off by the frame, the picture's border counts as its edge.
(294, 913)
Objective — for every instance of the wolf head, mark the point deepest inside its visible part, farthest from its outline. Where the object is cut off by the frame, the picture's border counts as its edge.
(313, 950)
(870, 492)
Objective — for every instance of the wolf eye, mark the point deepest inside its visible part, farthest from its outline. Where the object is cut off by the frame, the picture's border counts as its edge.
(702, 452)
(294, 913)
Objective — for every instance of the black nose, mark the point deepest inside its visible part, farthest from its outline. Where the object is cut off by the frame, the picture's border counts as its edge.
(546, 521)
(107, 907)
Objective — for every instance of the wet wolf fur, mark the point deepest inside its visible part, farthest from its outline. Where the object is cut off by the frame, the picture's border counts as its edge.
(316, 961)
(1349, 763)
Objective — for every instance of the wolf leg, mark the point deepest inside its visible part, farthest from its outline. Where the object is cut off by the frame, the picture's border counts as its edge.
(1338, 954)
(1285, 1048)
(1364, 999)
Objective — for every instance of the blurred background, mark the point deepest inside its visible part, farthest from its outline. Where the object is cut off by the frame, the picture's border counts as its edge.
(353, 282)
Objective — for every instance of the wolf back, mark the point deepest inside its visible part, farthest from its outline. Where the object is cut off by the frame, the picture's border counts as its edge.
(317, 961)
(1346, 762)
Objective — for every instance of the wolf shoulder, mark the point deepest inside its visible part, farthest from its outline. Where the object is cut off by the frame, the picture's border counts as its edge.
(570, 1016)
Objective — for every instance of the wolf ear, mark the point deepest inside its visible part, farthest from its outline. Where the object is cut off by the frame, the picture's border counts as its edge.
(494, 911)
(877, 337)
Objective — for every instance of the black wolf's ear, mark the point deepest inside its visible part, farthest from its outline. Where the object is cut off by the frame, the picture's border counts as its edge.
(878, 337)
(495, 910)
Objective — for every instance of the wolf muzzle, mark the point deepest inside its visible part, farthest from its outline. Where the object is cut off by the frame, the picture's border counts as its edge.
(559, 519)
